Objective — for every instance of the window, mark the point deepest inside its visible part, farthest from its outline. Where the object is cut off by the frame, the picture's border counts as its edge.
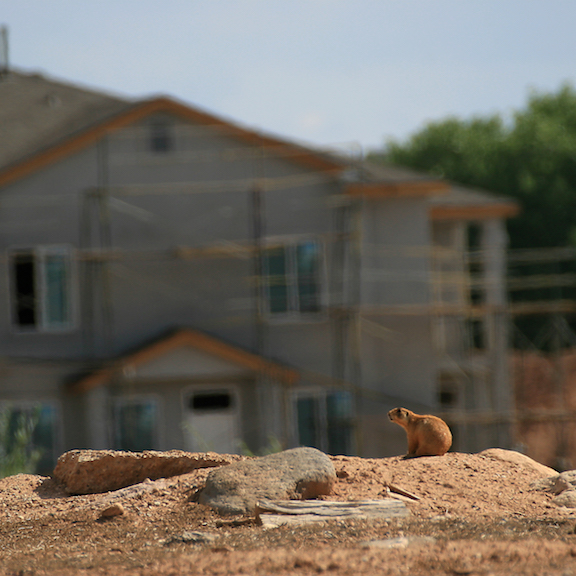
(476, 334)
(477, 296)
(135, 424)
(211, 401)
(41, 288)
(475, 264)
(161, 137)
(30, 439)
(448, 388)
(292, 278)
(324, 421)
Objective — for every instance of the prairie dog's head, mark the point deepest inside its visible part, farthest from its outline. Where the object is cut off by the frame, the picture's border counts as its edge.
(399, 415)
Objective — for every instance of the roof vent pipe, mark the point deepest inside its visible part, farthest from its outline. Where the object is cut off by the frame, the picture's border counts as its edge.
(3, 52)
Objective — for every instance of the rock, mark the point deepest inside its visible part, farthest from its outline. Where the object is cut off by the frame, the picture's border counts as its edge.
(95, 471)
(518, 458)
(567, 499)
(400, 542)
(300, 473)
(111, 511)
(273, 514)
(565, 481)
(192, 538)
(544, 484)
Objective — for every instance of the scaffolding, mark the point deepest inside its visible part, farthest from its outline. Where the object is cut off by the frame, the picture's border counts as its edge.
(469, 313)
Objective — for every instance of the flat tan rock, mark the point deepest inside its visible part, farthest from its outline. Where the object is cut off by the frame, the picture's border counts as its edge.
(518, 458)
(96, 471)
(273, 514)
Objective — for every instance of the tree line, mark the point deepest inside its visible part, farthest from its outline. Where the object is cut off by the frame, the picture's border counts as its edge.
(529, 155)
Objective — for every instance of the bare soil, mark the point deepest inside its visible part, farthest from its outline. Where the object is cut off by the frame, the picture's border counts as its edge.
(476, 515)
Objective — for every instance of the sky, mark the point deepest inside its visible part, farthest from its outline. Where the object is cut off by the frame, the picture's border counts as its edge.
(337, 73)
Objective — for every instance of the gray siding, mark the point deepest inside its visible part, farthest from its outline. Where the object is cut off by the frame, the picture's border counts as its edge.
(166, 240)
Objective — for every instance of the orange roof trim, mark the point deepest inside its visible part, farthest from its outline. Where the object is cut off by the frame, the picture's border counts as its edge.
(196, 340)
(147, 108)
(398, 189)
(475, 212)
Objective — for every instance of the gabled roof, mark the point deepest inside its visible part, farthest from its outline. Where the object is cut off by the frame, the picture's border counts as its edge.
(43, 121)
(186, 338)
(37, 113)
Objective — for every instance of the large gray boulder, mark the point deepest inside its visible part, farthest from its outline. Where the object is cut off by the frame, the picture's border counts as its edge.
(300, 473)
(95, 471)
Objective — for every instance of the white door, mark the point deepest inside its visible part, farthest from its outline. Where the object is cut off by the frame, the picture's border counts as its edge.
(211, 420)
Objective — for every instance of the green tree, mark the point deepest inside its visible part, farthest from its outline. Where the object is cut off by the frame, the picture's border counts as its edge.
(17, 453)
(531, 158)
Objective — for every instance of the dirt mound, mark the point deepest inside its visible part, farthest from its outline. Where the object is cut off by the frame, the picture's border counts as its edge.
(475, 514)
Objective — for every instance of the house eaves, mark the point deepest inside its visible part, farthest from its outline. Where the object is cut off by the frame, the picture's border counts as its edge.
(409, 188)
(375, 181)
(193, 339)
(447, 201)
(464, 203)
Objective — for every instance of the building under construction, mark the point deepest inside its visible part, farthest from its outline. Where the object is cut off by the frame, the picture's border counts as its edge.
(175, 280)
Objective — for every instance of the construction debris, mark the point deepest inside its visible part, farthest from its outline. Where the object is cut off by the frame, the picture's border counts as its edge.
(271, 514)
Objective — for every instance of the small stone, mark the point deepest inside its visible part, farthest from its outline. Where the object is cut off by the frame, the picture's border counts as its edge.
(400, 542)
(111, 511)
(566, 499)
(222, 549)
(565, 481)
(442, 517)
(544, 484)
(192, 538)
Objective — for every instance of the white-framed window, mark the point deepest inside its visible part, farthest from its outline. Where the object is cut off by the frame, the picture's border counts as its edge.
(292, 277)
(135, 423)
(324, 420)
(31, 435)
(41, 288)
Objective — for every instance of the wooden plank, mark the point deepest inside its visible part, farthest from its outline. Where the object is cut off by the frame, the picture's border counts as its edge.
(402, 492)
(277, 513)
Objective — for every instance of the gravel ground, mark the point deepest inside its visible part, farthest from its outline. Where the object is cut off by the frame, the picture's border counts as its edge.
(476, 515)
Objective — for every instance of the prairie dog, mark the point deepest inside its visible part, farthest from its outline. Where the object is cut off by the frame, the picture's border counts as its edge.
(427, 435)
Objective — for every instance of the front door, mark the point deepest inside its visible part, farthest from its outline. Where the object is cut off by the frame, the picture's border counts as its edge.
(211, 420)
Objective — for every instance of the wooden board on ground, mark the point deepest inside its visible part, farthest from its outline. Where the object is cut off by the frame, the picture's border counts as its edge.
(272, 514)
